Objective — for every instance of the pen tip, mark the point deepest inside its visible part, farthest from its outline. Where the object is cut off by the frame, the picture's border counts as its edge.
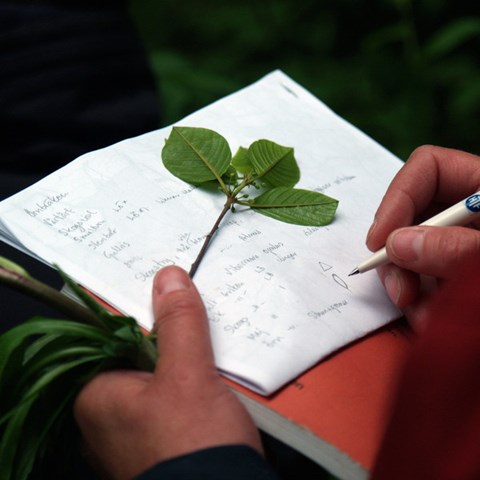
(353, 272)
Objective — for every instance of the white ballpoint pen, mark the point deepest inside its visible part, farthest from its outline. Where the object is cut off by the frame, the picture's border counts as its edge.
(457, 215)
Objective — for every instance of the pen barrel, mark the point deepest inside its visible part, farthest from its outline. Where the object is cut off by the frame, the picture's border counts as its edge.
(376, 259)
(457, 215)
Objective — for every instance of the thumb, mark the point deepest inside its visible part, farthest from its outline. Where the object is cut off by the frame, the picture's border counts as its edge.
(181, 324)
(441, 252)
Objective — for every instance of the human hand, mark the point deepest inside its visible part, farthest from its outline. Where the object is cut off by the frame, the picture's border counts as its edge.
(432, 179)
(131, 420)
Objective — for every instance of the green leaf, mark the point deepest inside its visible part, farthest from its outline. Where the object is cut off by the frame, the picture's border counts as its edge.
(274, 163)
(129, 334)
(40, 428)
(104, 318)
(58, 370)
(16, 337)
(196, 155)
(45, 341)
(43, 363)
(11, 436)
(241, 161)
(16, 418)
(297, 206)
(10, 368)
(86, 299)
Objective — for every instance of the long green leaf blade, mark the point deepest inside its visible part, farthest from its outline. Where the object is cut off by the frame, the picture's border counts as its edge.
(34, 444)
(16, 418)
(58, 370)
(87, 299)
(43, 342)
(274, 163)
(48, 359)
(15, 338)
(297, 206)
(10, 438)
(196, 155)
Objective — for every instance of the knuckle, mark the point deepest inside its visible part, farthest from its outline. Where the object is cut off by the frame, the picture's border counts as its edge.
(450, 249)
(456, 247)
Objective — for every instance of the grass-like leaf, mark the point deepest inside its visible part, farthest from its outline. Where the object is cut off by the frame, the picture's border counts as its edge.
(10, 439)
(11, 444)
(83, 296)
(297, 206)
(15, 338)
(50, 359)
(40, 426)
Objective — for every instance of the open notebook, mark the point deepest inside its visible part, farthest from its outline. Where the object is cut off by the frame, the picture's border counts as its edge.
(279, 298)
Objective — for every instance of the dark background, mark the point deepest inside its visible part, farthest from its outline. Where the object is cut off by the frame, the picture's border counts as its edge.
(405, 72)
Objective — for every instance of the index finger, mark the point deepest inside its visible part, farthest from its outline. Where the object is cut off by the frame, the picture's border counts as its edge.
(432, 175)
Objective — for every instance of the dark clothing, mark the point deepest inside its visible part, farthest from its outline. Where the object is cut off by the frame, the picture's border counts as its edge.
(74, 78)
(236, 462)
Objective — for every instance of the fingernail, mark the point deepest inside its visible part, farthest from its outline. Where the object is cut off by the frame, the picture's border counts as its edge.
(171, 279)
(407, 243)
(392, 286)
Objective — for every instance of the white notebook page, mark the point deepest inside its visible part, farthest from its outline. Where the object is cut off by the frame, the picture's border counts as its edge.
(278, 296)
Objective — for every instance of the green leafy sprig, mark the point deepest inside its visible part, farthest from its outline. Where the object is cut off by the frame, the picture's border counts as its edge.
(201, 156)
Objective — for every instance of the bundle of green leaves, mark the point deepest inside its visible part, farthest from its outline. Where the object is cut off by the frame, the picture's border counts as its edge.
(44, 363)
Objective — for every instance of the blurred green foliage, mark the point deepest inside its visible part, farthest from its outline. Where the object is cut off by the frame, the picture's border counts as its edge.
(406, 73)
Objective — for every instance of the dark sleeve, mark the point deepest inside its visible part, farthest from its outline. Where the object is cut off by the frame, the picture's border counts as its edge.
(233, 462)
(74, 78)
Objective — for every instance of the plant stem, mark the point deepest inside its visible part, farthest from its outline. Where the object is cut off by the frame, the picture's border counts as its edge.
(49, 296)
(230, 201)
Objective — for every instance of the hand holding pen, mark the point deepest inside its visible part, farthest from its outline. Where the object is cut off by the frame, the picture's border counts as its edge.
(432, 179)
(460, 214)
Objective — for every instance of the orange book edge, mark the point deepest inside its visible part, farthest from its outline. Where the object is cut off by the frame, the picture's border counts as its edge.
(336, 412)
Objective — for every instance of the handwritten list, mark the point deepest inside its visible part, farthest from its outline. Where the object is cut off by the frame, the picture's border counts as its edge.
(278, 296)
